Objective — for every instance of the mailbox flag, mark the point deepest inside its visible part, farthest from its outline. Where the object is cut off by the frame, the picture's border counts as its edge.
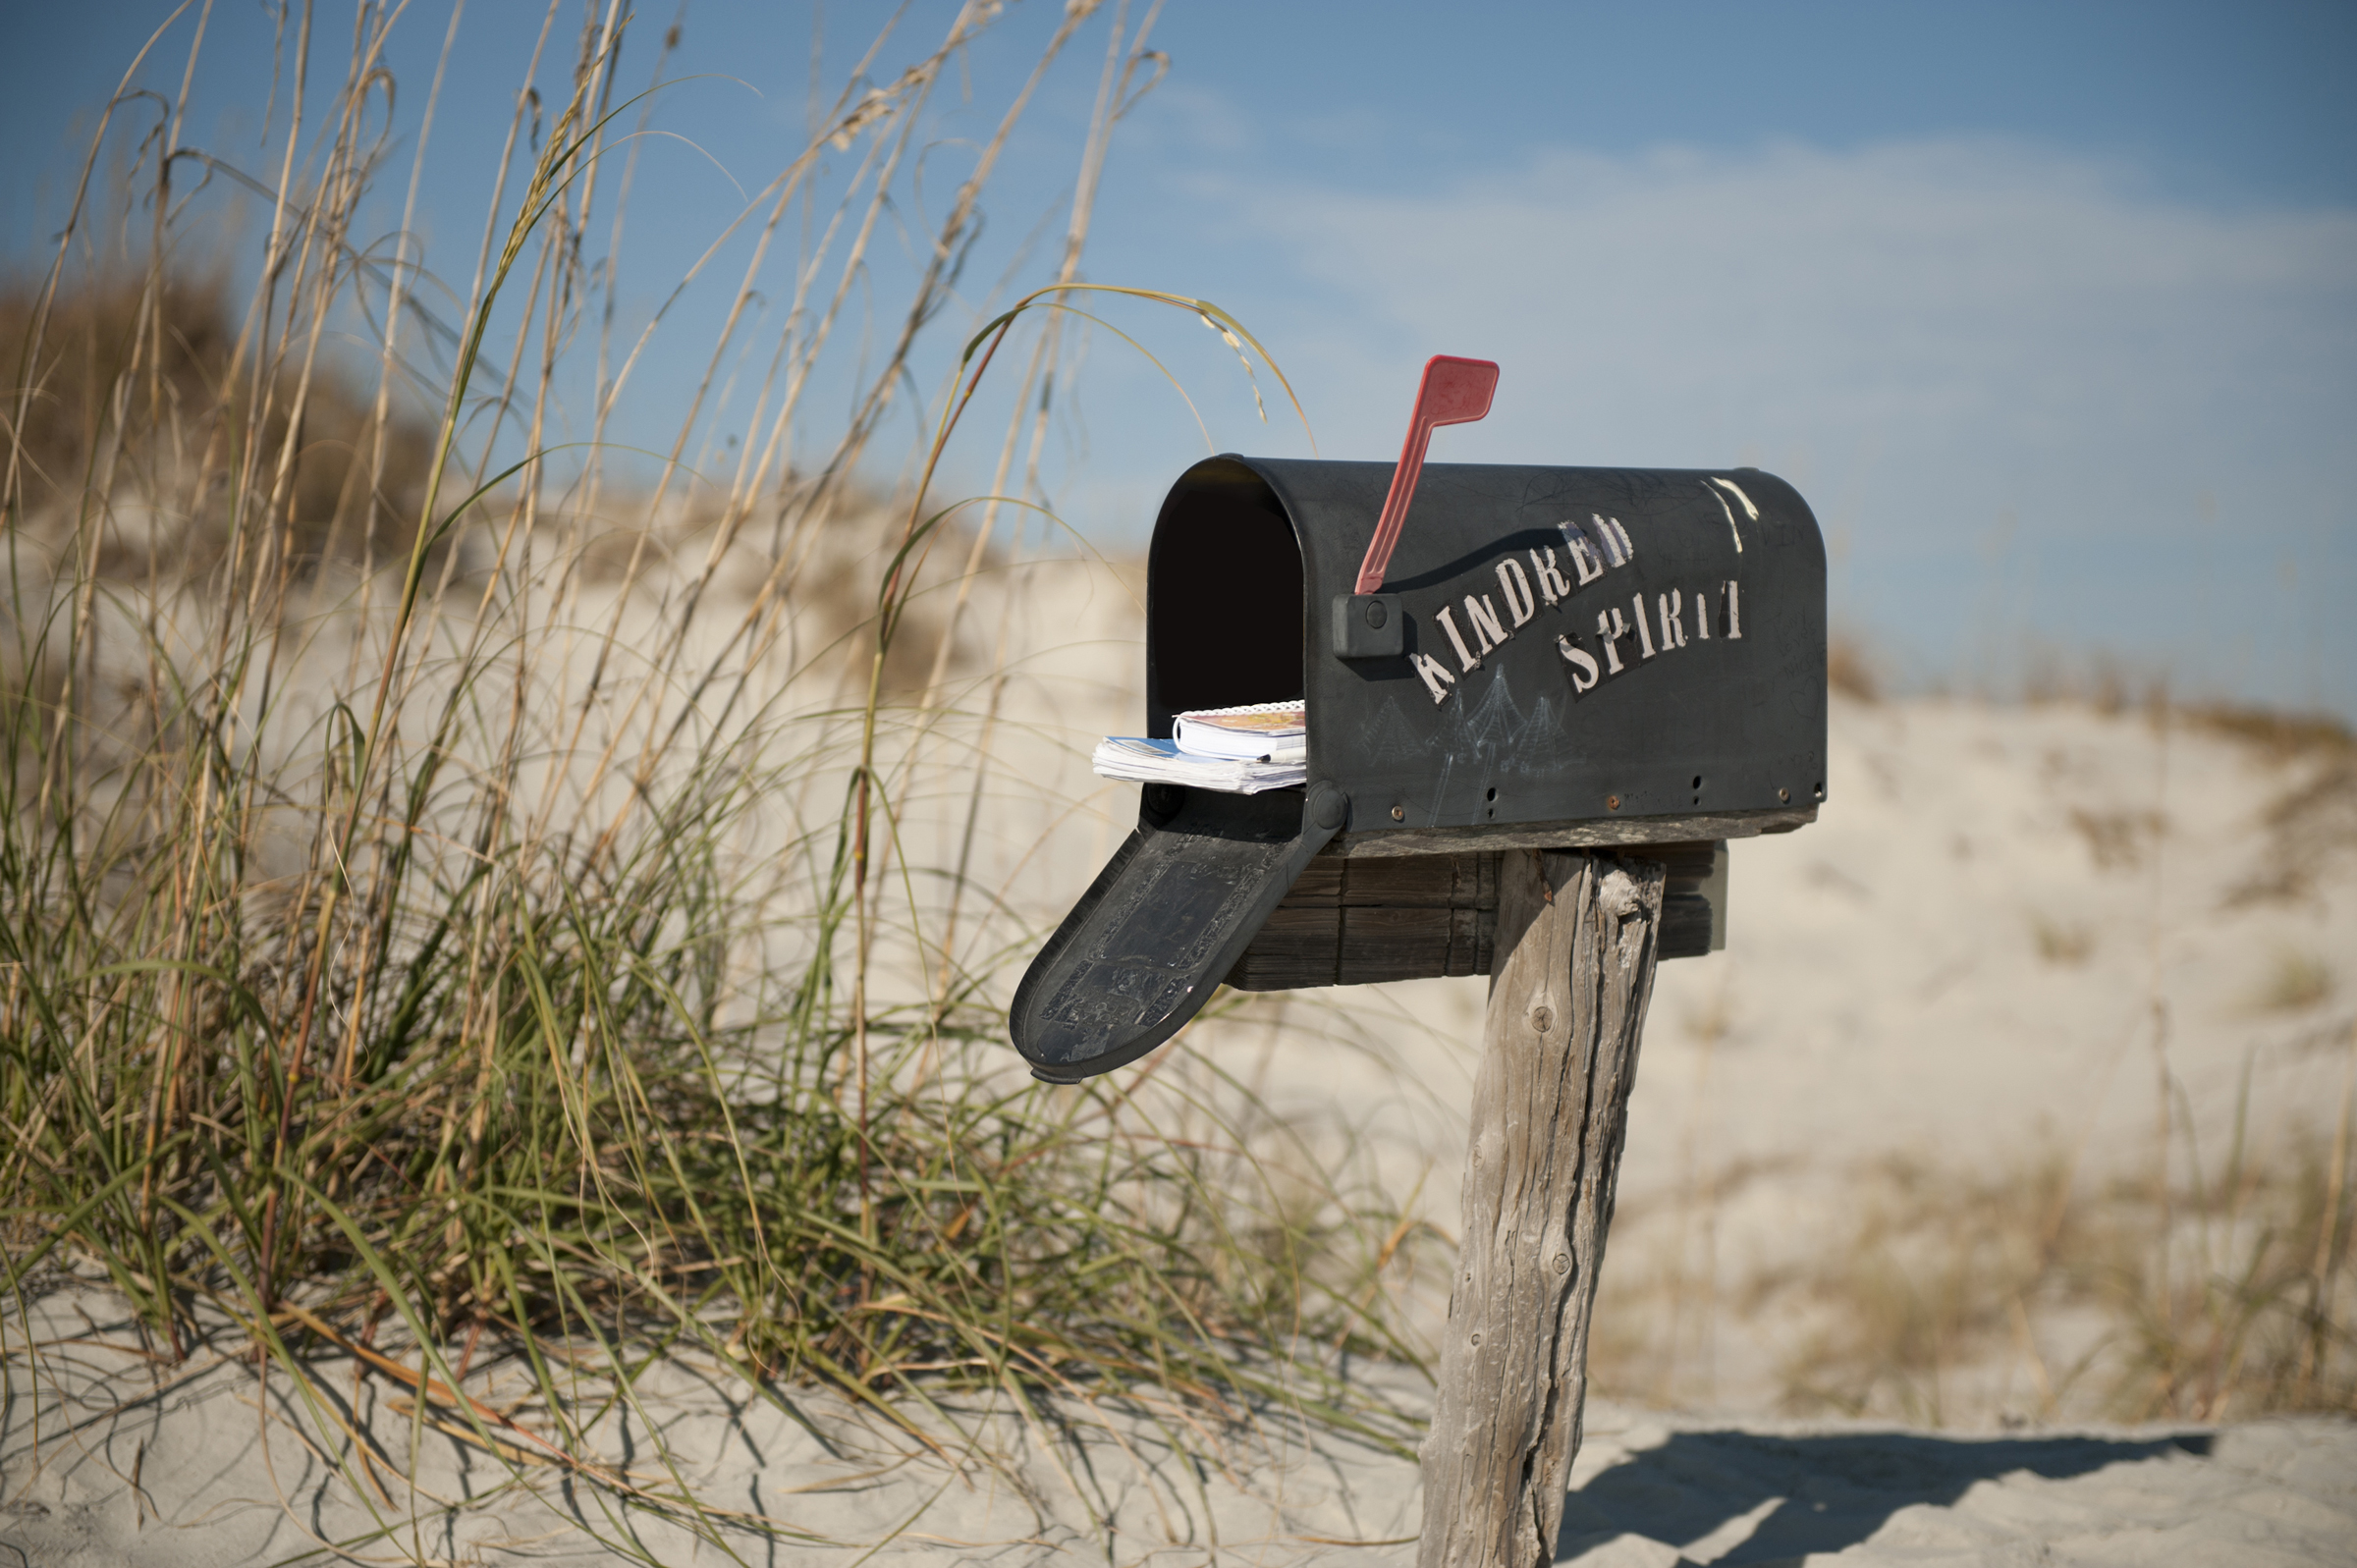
(1454, 392)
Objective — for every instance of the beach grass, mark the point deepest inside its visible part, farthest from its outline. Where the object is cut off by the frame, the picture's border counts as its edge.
(462, 901)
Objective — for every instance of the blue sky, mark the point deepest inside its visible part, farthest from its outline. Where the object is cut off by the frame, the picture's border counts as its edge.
(2050, 309)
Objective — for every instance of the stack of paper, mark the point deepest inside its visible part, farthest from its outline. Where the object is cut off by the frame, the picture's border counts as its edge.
(1262, 745)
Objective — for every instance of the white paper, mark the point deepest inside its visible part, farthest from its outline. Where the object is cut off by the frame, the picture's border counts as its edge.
(1144, 761)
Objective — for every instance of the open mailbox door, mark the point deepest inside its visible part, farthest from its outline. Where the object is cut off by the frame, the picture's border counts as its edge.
(1556, 657)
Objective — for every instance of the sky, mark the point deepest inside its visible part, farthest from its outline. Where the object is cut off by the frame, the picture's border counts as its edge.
(2048, 309)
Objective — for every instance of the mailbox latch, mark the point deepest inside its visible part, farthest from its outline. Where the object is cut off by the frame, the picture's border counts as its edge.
(1369, 625)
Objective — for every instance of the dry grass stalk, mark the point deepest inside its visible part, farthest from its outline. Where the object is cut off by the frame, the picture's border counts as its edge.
(434, 907)
(2034, 1294)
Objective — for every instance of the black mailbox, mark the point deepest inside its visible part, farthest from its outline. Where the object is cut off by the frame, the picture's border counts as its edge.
(1558, 658)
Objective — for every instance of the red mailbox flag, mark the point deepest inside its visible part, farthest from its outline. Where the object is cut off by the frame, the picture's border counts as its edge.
(1454, 392)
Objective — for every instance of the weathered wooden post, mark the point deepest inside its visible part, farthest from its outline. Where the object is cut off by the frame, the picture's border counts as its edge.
(1537, 706)
(1577, 934)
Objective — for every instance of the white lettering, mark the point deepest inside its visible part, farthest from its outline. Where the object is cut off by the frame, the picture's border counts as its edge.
(1610, 629)
(1436, 675)
(1486, 625)
(1615, 538)
(1577, 658)
(1734, 610)
(1674, 627)
(1471, 661)
(1585, 559)
(1551, 586)
(1702, 618)
(1510, 578)
(1728, 513)
(1644, 631)
(1604, 536)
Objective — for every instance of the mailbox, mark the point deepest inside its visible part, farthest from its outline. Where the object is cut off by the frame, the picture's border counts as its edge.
(1555, 657)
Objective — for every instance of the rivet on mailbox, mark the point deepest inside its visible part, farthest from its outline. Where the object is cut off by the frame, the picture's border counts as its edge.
(1490, 658)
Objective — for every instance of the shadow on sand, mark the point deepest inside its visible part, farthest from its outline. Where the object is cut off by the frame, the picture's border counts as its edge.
(1807, 1494)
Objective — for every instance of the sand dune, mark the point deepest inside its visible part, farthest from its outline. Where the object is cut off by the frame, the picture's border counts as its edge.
(2025, 974)
(2037, 962)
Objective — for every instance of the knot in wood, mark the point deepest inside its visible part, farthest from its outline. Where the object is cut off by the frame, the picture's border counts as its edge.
(1542, 1019)
(1562, 1262)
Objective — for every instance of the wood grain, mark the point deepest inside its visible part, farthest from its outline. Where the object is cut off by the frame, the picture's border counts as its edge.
(1576, 933)
(1349, 922)
(1582, 834)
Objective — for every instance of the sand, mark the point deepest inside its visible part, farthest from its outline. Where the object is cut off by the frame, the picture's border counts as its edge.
(134, 1465)
(2018, 935)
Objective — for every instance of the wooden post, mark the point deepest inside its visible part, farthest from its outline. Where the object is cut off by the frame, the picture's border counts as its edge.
(1577, 934)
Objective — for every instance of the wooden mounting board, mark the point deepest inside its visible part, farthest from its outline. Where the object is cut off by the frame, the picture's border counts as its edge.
(1354, 921)
(1608, 832)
